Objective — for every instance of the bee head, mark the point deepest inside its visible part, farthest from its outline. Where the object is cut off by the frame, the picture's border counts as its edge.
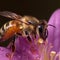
(42, 30)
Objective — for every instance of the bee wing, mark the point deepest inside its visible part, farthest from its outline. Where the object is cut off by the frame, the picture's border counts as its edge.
(10, 15)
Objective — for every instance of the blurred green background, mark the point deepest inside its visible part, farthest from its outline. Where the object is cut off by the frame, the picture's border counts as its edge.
(42, 9)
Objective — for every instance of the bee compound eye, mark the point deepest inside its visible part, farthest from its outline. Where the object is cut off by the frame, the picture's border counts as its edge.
(40, 29)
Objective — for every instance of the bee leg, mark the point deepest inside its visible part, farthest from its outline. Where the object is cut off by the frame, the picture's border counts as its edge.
(12, 46)
(26, 33)
(29, 39)
(9, 45)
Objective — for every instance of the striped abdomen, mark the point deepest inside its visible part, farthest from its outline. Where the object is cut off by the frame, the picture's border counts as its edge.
(9, 29)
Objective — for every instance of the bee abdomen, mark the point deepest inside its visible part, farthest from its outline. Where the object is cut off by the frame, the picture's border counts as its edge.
(4, 28)
(2, 32)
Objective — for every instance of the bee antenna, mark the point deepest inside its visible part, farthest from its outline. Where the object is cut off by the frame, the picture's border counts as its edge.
(51, 25)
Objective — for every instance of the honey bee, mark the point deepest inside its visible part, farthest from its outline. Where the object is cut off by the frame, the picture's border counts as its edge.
(19, 25)
(22, 26)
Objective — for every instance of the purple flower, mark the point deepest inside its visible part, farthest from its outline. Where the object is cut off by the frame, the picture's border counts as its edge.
(35, 49)
(5, 54)
(54, 33)
(26, 49)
